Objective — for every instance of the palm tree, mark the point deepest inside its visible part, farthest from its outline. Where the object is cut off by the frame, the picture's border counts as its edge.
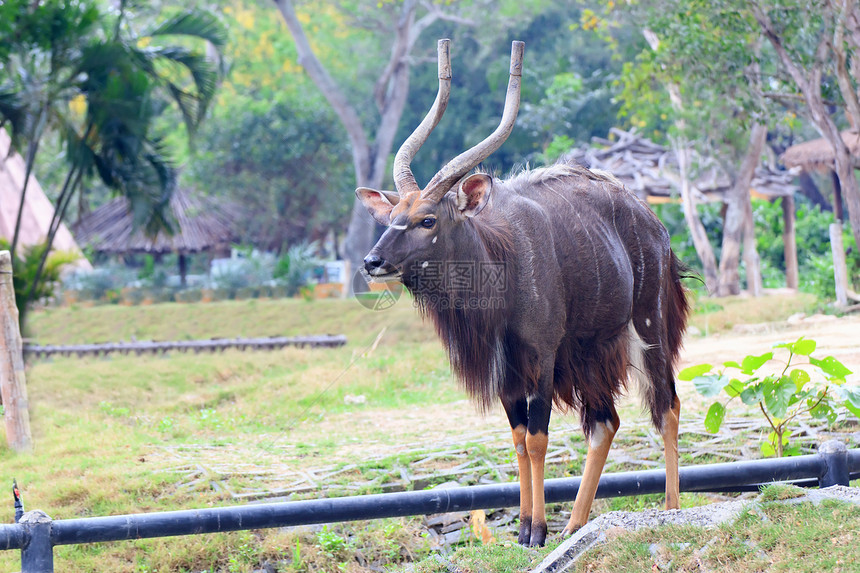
(41, 44)
(102, 92)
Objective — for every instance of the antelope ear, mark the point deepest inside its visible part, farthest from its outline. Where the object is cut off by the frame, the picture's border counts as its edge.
(378, 203)
(473, 193)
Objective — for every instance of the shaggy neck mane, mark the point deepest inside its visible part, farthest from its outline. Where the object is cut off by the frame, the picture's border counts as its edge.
(467, 304)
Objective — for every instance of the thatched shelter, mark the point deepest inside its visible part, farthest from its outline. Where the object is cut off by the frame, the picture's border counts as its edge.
(202, 225)
(652, 172)
(818, 154)
(38, 210)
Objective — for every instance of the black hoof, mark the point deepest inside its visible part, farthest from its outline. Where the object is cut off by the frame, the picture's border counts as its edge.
(525, 531)
(538, 537)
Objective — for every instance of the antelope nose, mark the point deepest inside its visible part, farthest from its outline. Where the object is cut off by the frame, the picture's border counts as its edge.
(372, 262)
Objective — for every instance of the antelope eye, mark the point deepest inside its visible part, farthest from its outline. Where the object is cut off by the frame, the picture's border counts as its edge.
(428, 222)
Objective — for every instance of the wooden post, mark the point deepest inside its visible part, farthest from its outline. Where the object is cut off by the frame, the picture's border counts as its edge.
(13, 386)
(840, 268)
(789, 239)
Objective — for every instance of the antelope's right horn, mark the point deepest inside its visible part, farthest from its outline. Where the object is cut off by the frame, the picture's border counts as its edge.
(404, 180)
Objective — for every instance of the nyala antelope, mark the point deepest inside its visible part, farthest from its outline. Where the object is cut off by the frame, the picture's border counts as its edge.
(573, 291)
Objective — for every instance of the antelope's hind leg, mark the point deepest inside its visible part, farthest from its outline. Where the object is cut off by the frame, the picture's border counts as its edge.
(670, 444)
(599, 443)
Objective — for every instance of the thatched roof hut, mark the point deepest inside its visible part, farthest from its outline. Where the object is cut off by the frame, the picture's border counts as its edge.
(202, 224)
(38, 210)
(651, 170)
(818, 154)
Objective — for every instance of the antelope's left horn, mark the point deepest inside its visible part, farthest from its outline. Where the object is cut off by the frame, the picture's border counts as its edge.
(460, 165)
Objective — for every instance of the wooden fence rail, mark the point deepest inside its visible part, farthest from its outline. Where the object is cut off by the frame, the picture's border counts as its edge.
(196, 346)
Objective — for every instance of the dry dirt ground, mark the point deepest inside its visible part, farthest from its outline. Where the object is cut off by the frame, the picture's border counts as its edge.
(319, 452)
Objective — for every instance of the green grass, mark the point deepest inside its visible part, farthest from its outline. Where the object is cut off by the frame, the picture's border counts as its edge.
(101, 426)
(710, 316)
(796, 538)
(775, 537)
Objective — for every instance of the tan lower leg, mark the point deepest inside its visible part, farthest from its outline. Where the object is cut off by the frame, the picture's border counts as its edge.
(598, 450)
(670, 444)
(519, 435)
(536, 445)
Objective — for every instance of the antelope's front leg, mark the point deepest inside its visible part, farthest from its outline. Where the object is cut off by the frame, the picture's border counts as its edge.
(537, 438)
(517, 412)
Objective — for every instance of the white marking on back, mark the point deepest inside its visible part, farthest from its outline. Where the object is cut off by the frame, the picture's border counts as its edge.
(636, 368)
(498, 366)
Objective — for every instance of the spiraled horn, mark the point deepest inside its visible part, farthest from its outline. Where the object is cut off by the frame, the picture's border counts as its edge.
(404, 180)
(460, 165)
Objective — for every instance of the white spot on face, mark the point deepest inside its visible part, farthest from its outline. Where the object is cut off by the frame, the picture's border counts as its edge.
(434, 240)
(397, 227)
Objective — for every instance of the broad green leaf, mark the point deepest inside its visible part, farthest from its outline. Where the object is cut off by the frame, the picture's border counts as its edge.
(777, 400)
(799, 377)
(691, 372)
(752, 363)
(734, 388)
(710, 385)
(714, 417)
(852, 394)
(732, 364)
(832, 367)
(767, 450)
(803, 346)
(851, 397)
(821, 410)
(791, 451)
(752, 395)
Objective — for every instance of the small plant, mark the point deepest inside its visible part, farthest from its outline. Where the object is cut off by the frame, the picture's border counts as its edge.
(782, 396)
(331, 542)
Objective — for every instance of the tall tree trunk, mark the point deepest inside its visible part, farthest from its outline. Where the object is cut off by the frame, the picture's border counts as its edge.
(691, 216)
(392, 88)
(738, 221)
(809, 82)
(752, 261)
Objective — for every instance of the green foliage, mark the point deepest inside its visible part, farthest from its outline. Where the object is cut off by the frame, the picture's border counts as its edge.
(285, 162)
(24, 271)
(815, 260)
(816, 387)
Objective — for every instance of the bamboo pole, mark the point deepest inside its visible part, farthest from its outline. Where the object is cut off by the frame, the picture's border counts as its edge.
(13, 386)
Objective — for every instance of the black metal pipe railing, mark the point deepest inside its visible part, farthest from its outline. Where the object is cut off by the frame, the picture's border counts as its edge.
(36, 534)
